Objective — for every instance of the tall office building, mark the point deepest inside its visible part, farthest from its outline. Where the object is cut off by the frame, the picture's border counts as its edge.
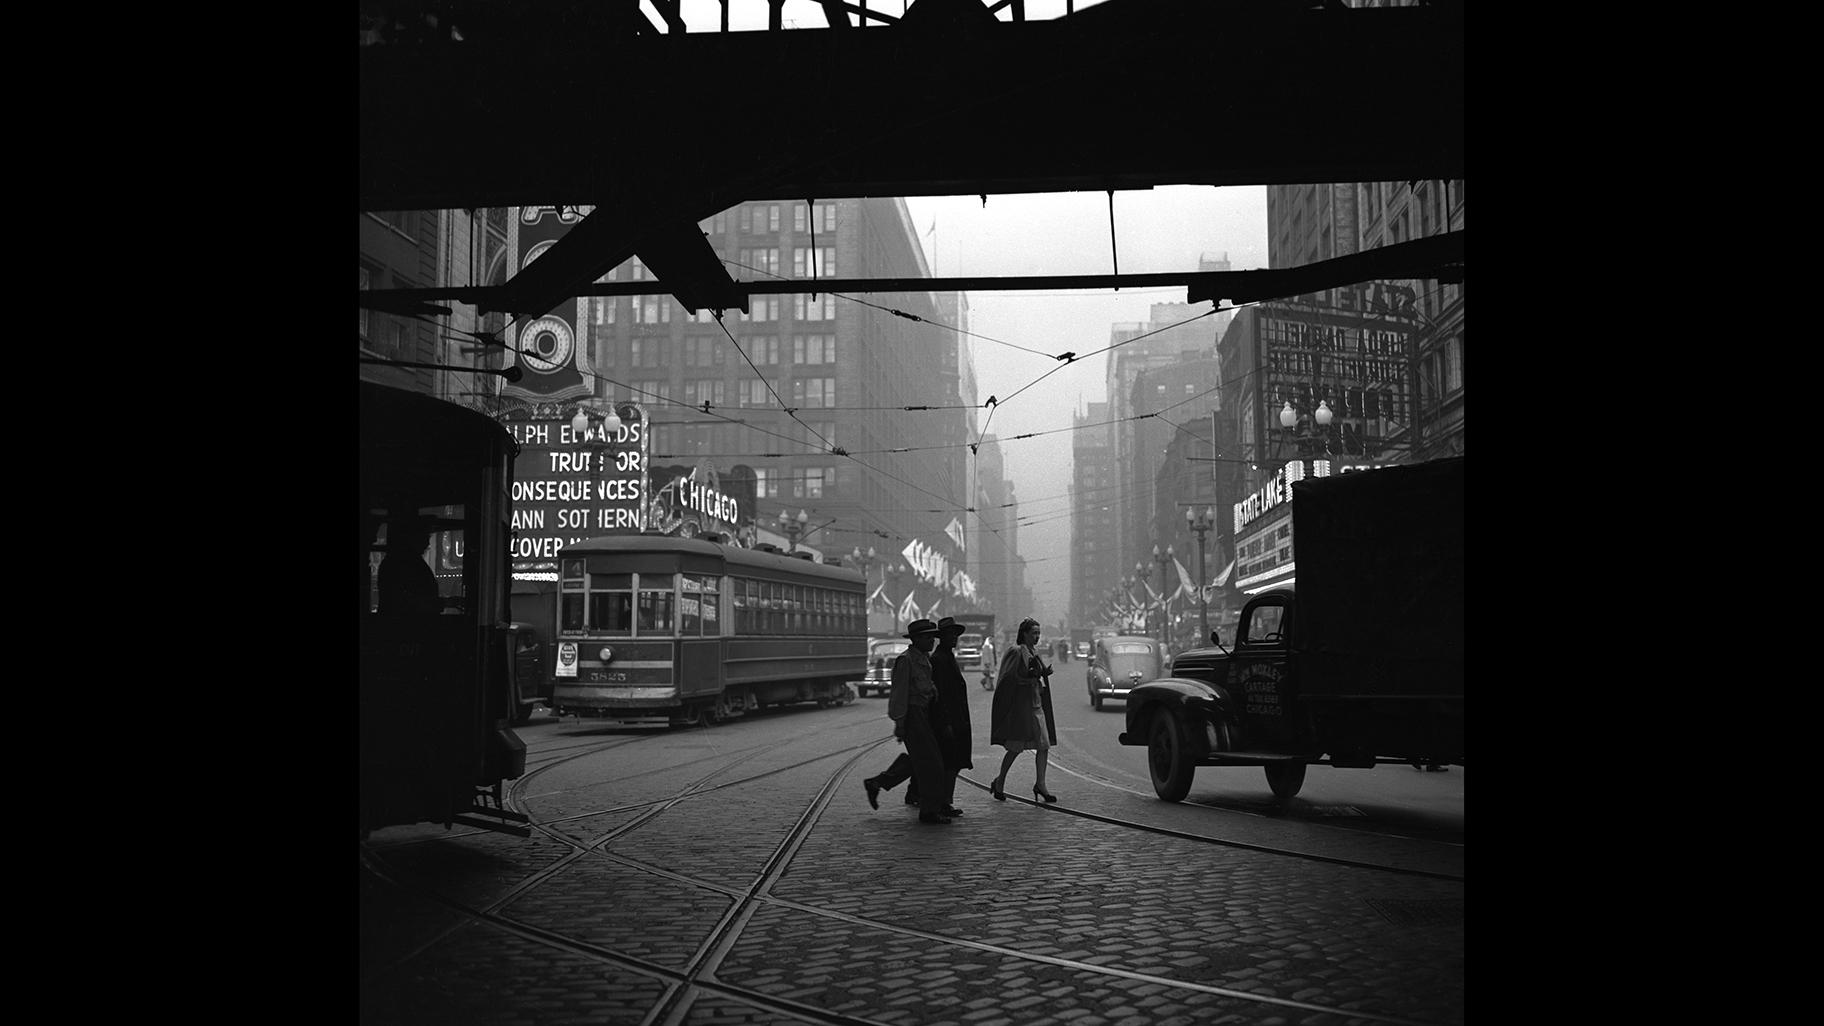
(1173, 333)
(1095, 545)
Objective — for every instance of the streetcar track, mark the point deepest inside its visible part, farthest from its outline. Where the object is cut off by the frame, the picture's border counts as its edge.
(684, 987)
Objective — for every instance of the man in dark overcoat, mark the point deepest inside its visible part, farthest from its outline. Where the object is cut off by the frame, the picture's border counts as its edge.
(952, 711)
(912, 706)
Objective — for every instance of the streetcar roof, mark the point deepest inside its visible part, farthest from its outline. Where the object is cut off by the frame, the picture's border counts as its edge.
(659, 545)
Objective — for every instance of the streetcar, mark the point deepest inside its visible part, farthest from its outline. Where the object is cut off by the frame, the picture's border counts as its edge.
(437, 684)
(656, 631)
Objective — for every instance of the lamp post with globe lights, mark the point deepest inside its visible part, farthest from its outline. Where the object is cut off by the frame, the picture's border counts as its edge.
(1162, 558)
(793, 528)
(1201, 521)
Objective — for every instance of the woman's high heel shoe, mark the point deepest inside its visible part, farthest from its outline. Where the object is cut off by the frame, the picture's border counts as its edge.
(1047, 795)
(995, 789)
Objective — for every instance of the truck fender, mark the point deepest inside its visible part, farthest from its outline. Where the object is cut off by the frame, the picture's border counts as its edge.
(1194, 701)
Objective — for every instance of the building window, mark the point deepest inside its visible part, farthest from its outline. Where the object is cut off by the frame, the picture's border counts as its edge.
(754, 393)
(652, 309)
(814, 393)
(405, 222)
(703, 390)
(604, 309)
(762, 308)
(823, 218)
(814, 349)
(823, 308)
(760, 261)
(651, 391)
(813, 263)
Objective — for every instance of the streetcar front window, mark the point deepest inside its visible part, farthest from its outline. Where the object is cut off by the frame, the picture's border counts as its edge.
(611, 612)
(611, 603)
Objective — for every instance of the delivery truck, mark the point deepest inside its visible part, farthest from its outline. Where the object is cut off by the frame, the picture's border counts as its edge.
(1359, 662)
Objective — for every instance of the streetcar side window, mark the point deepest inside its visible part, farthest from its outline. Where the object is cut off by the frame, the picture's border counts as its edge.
(775, 607)
(692, 602)
(712, 607)
(690, 606)
(740, 588)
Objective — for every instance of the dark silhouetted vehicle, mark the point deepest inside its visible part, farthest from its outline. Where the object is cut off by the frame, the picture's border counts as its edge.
(1361, 663)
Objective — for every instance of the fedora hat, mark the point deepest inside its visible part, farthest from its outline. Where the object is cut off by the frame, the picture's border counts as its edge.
(920, 627)
(948, 625)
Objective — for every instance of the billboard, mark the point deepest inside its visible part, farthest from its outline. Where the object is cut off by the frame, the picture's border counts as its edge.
(569, 487)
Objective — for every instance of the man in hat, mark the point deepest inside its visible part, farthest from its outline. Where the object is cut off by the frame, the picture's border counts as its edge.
(949, 718)
(909, 703)
(407, 585)
(952, 711)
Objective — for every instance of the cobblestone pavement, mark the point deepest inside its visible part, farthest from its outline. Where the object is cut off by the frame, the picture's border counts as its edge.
(1015, 915)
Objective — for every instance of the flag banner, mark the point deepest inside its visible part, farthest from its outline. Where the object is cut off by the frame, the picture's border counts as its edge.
(1185, 588)
(1224, 576)
(879, 600)
(908, 611)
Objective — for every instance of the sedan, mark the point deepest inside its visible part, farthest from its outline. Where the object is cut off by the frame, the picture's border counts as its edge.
(881, 653)
(1118, 663)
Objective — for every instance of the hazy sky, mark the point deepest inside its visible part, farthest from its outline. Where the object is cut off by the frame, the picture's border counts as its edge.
(1163, 229)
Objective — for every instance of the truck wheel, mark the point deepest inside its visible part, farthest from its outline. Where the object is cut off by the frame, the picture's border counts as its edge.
(1168, 757)
(1285, 778)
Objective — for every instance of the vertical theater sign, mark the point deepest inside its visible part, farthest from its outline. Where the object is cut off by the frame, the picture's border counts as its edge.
(545, 348)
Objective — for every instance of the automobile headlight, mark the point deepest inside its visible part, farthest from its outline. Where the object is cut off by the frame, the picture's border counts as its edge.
(606, 653)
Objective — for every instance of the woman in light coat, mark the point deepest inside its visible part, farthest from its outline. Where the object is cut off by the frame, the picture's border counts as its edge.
(1021, 718)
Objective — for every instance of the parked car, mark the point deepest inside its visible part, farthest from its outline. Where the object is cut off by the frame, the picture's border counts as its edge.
(1119, 663)
(1082, 650)
(881, 653)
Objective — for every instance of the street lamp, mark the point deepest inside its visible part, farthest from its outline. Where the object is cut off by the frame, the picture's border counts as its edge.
(1162, 560)
(865, 559)
(794, 529)
(579, 424)
(1201, 521)
(1311, 435)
